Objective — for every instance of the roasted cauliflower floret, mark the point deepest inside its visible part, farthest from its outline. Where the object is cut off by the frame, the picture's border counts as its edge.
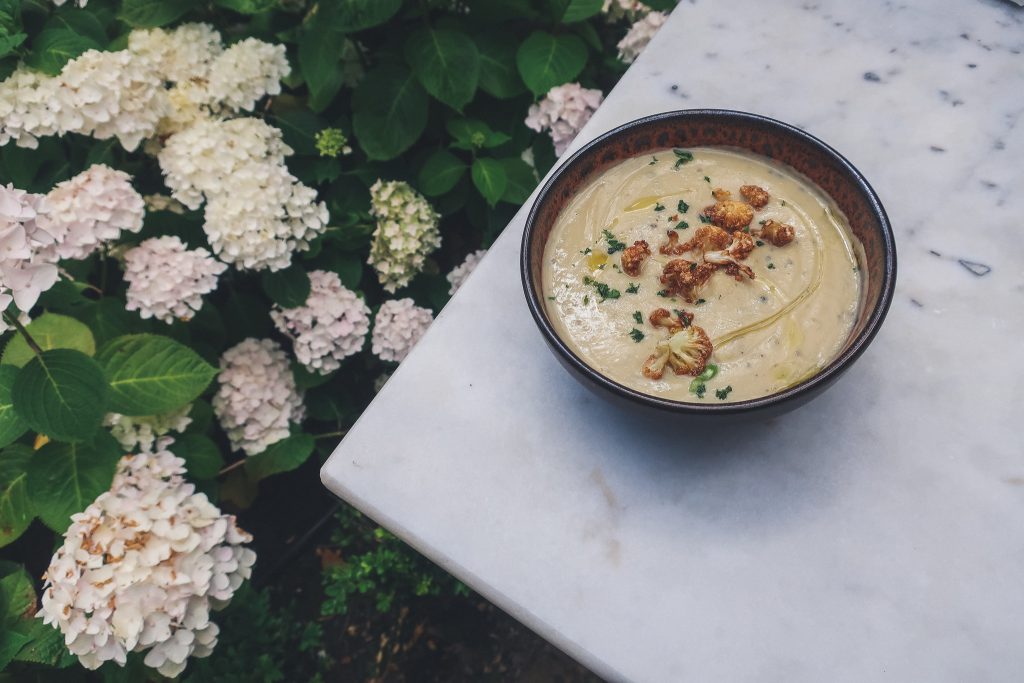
(779, 234)
(684, 278)
(729, 214)
(756, 196)
(721, 194)
(705, 238)
(730, 257)
(633, 257)
(686, 352)
(661, 317)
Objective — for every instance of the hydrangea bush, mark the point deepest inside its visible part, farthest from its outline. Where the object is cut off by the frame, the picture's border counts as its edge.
(222, 226)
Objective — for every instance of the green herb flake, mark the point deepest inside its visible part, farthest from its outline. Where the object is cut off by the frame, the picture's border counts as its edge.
(699, 390)
(682, 206)
(704, 219)
(633, 288)
(654, 160)
(659, 207)
(783, 202)
(722, 394)
(636, 335)
(663, 292)
(614, 245)
(586, 299)
(586, 251)
(759, 243)
(701, 301)
(771, 266)
(603, 290)
(682, 157)
(638, 316)
(552, 298)
(682, 225)
(707, 180)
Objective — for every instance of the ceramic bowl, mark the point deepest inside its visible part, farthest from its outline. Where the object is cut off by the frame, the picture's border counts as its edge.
(823, 165)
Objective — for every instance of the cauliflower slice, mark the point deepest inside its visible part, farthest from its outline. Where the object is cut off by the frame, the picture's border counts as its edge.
(779, 234)
(686, 352)
(721, 194)
(756, 196)
(705, 238)
(684, 277)
(633, 257)
(741, 246)
(729, 214)
(661, 317)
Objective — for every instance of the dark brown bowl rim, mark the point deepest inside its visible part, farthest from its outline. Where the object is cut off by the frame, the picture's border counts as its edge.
(793, 394)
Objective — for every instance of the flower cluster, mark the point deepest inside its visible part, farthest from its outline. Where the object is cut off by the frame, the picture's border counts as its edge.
(399, 324)
(92, 208)
(166, 280)
(257, 213)
(257, 399)
(639, 35)
(26, 262)
(617, 9)
(461, 272)
(407, 231)
(329, 327)
(143, 566)
(563, 112)
(140, 433)
(332, 142)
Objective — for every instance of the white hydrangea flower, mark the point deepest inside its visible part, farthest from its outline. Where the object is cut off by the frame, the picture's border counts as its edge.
(25, 113)
(399, 324)
(329, 327)
(27, 258)
(461, 272)
(92, 208)
(140, 433)
(639, 34)
(143, 566)
(166, 280)
(246, 72)
(257, 398)
(407, 231)
(181, 55)
(616, 9)
(563, 112)
(257, 213)
(80, 3)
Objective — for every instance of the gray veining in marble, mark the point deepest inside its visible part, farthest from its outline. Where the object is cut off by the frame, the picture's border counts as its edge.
(876, 534)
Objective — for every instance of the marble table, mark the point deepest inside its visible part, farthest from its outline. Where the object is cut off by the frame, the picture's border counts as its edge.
(875, 534)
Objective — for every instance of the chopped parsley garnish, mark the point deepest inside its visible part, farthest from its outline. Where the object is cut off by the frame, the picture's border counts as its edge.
(682, 206)
(759, 243)
(552, 298)
(682, 225)
(704, 219)
(700, 390)
(586, 251)
(707, 180)
(701, 301)
(614, 245)
(603, 290)
(638, 316)
(682, 157)
(654, 160)
(633, 288)
(723, 393)
(586, 299)
(616, 267)
(683, 317)
(659, 207)
(663, 292)
(783, 202)
(636, 335)
(771, 266)
(693, 267)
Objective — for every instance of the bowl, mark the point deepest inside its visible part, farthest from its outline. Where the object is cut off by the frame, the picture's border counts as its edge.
(808, 155)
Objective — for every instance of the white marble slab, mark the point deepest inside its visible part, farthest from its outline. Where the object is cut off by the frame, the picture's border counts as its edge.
(876, 534)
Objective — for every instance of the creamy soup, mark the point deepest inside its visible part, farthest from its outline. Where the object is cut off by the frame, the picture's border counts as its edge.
(737, 295)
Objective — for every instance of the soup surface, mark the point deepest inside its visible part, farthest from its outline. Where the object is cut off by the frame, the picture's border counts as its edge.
(755, 291)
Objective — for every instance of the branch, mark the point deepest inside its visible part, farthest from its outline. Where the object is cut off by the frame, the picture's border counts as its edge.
(16, 324)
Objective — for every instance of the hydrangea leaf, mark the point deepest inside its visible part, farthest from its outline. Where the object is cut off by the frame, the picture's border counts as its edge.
(153, 13)
(521, 180)
(287, 288)
(350, 16)
(53, 48)
(390, 111)
(447, 64)
(149, 374)
(61, 393)
(50, 331)
(16, 511)
(247, 6)
(490, 179)
(440, 173)
(201, 455)
(578, 10)
(283, 456)
(545, 60)
(12, 425)
(64, 478)
(498, 74)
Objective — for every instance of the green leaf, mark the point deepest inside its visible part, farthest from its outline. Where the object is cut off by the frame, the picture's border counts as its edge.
(11, 642)
(153, 13)
(287, 288)
(247, 6)
(545, 61)
(108, 319)
(662, 5)
(446, 62)
(150, 374)
(45, 646)
(80, 21)
(521, 180)
(15, 505)
(53, 48)
(578, 10)
(64, 478)
(440, 173)
(490, 179)
(299, 128)
(470, 133)
(50, 331)
(319, 56)
(350, 16)
(201, 455)
(390, 111)
(498, 74)
(61, 393)
(283, 456)
(10, 43)
(11, 424)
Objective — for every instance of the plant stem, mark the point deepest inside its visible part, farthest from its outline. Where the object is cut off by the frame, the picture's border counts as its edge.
(327, 435)
(233, 466)
(16, 324)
